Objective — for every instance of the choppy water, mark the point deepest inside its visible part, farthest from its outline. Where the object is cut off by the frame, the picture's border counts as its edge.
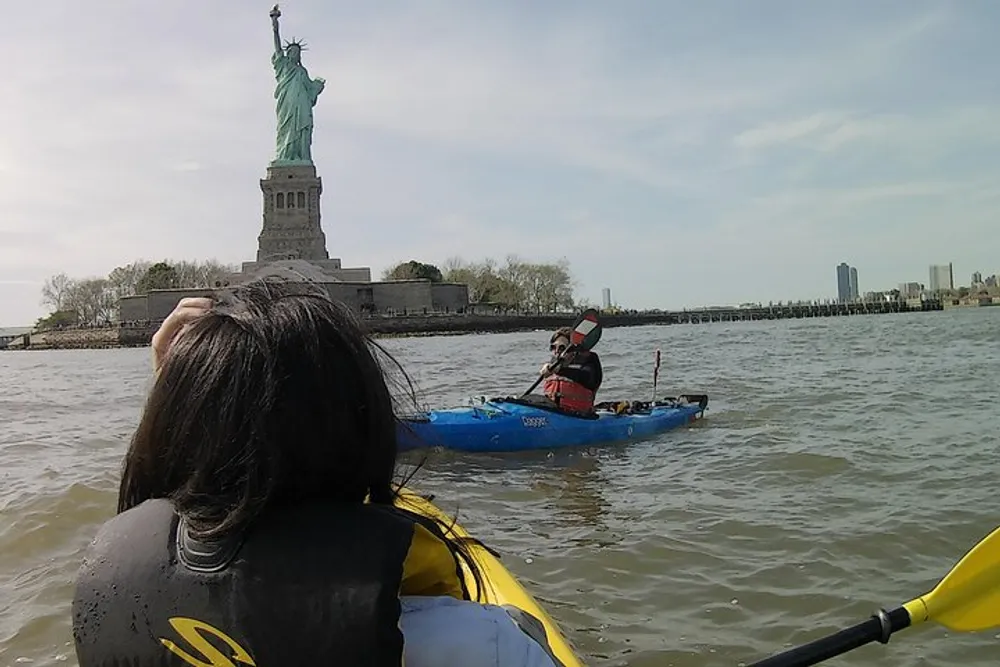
(844, 464)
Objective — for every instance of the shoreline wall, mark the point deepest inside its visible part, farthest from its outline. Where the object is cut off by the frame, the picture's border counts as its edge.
(455, 324)
(75, 339)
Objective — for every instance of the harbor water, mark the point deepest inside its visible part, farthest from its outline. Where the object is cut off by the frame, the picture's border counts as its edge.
(844, 464)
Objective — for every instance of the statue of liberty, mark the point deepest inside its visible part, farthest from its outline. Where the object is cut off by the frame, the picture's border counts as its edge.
(296, 95)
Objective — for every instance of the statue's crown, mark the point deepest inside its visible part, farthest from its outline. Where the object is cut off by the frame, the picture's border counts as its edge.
(300, 45)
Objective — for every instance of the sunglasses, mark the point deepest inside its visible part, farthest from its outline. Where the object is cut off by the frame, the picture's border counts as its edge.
(557, 348)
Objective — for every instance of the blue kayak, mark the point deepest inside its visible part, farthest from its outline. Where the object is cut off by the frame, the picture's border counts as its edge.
(535, 423)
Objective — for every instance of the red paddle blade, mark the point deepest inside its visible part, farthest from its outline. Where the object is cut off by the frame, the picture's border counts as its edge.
(587, 330)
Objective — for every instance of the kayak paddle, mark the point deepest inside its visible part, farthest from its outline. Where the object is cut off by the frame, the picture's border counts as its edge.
(656, 374)
(966, 600)
(586, 332)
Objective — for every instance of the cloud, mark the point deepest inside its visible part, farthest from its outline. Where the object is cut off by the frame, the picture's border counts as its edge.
(774, 133)
(832, 130)
(190, 165)
(672, 152)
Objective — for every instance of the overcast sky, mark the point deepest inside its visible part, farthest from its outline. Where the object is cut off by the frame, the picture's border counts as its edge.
(680, 153)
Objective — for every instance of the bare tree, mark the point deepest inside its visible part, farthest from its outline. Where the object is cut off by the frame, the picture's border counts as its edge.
(94, 301)
(517, 284)
(123, 281)
(54, 291)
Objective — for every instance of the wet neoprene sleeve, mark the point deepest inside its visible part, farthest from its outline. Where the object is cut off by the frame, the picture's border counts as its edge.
(588, 373)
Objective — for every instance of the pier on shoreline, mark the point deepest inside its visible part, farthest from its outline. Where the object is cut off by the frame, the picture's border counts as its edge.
(139, 334)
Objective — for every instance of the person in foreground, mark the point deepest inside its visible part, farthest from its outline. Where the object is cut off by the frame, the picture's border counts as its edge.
(256, 521)
(572, 381)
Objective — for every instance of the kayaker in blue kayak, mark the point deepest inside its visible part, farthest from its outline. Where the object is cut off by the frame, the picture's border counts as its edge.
(257, 520)
(572, 378)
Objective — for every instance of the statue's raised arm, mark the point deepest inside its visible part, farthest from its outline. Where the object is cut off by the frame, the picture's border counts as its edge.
(275, 14)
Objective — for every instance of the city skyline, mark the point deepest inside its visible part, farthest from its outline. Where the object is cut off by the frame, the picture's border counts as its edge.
(942, 276)
(847, 282)
(655, 147)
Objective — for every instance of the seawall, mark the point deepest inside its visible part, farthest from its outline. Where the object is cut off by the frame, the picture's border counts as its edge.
(75, 339)
(444, 324)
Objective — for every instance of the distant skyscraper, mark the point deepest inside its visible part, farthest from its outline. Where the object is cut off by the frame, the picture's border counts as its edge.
(606, 297)
(977, 278)
(854, 283)
(843, 282)
(942, 277)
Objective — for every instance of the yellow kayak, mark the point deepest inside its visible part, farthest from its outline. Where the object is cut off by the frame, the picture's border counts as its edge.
(504, 589)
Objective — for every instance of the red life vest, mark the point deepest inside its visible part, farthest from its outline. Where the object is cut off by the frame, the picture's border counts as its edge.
(569, 395)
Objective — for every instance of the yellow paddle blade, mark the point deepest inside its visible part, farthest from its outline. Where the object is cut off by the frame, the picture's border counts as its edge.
(968, 598)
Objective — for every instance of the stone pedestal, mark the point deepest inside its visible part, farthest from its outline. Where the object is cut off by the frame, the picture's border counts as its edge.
(291, 227)
(291, 243)
(317, 270)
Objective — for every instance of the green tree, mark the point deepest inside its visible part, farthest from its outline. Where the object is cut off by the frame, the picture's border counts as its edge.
(161, 275)
(413, 270)
(59, 318)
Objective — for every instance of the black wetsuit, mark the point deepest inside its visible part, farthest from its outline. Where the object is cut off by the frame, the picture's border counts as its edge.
(583, 368)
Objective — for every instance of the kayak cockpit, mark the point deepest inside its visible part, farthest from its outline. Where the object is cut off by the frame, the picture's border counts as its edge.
(617, 407)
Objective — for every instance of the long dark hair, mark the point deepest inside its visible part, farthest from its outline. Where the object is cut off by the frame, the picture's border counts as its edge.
(276, 396)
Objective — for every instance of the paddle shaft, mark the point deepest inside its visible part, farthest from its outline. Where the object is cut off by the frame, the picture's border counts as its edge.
(878, 628)
(656, 375)
(553, 366)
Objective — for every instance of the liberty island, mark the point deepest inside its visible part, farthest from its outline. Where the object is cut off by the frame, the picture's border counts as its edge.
(292, 244)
